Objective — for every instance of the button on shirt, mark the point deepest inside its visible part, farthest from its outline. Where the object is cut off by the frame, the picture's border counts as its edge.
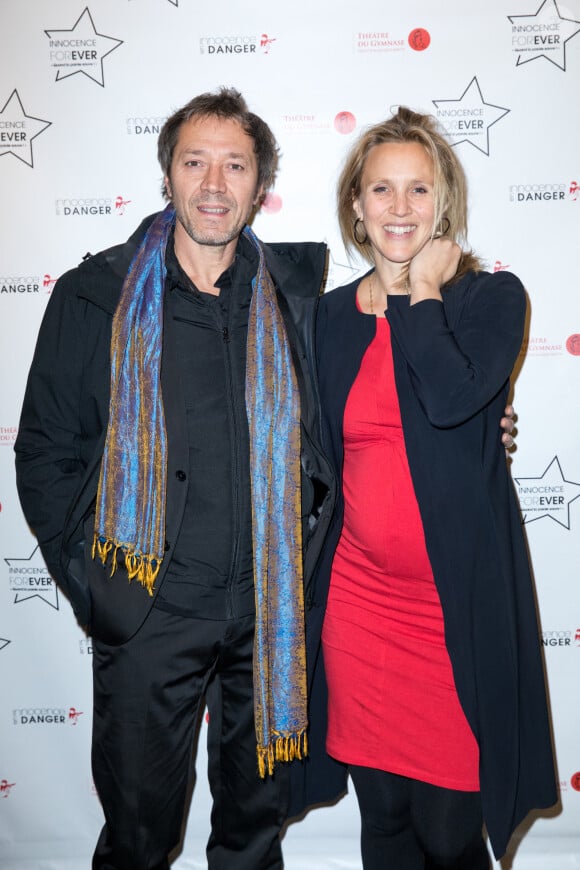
(211, 572)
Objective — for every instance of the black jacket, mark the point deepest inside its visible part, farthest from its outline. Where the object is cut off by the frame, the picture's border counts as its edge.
(64, 419)
(452, 364)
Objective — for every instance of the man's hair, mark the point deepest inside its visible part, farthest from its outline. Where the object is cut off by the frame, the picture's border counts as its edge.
(226, 103)
(450, 185)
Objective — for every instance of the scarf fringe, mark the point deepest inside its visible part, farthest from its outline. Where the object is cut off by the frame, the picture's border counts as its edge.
(281, 749)
(144, 568)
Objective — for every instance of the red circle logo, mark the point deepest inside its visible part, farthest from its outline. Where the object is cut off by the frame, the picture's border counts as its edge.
(419, 39)
(575, 781)
(345, 122)
(573, 344)
(272, 203)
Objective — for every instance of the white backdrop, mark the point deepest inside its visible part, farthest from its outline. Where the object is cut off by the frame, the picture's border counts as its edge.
(83, 92)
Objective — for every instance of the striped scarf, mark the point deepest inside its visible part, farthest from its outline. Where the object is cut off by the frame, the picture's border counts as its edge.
(273, 409)
(130, 511)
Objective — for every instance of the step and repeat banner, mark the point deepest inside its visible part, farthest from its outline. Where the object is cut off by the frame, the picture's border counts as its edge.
(84, 90)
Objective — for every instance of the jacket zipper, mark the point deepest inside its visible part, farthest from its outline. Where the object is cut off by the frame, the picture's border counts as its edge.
(235, 465)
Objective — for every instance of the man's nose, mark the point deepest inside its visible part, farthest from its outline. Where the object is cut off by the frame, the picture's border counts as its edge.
(213, 180)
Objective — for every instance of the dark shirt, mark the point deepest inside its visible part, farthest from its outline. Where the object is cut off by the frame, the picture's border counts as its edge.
(211, 571)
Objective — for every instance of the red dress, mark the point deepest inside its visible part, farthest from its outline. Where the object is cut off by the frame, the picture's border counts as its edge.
(392, 698)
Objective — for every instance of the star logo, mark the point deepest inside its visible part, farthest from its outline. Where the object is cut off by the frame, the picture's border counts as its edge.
(549, 495)
(81, 51)
(29, 578)
(3, 643)
(339, 273)
(543, 34)
(469, 118)
(19, 129)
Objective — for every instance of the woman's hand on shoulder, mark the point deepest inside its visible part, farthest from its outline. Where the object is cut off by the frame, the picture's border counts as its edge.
(434, 265)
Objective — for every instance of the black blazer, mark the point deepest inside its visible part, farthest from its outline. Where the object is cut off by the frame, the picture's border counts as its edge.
(452, 365)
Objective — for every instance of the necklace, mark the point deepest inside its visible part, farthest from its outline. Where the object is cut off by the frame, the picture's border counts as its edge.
(386, 292)
(371, 295)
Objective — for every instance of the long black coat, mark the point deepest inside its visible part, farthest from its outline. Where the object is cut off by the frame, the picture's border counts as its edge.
(452, 364)
(64, 421)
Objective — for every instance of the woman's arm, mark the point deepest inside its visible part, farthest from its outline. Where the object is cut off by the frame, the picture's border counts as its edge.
(458, 367)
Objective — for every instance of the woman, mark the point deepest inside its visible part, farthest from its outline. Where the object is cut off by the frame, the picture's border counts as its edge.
(436, 693)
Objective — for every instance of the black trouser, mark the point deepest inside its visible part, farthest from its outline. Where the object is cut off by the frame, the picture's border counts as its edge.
(412, 825)
(147, 696)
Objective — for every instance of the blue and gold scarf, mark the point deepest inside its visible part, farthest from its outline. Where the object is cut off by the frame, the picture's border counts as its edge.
(130, 514)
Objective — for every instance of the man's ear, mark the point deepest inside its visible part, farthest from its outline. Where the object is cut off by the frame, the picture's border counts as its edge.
(167, 186)
(259, 197)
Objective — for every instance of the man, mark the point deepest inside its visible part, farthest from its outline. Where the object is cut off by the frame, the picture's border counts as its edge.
(158, 460)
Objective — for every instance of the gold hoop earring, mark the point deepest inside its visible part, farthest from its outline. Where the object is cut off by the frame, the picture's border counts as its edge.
(443, 229)
(354, 232)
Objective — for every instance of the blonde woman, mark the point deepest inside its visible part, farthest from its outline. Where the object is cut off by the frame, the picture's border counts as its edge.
(437, 701)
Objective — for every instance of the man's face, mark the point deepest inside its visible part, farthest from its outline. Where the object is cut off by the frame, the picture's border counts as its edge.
(213, 180)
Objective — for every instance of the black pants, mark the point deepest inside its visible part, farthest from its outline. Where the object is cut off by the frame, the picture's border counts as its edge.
(412, 825)
(147, 696)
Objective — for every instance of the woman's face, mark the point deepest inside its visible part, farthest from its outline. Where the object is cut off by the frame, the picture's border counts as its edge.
(396, 201)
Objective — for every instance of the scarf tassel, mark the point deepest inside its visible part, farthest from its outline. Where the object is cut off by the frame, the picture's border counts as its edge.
(281, 749)
(144, 568)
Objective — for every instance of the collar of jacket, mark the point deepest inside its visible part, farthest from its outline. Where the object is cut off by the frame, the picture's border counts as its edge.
(297, 269)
